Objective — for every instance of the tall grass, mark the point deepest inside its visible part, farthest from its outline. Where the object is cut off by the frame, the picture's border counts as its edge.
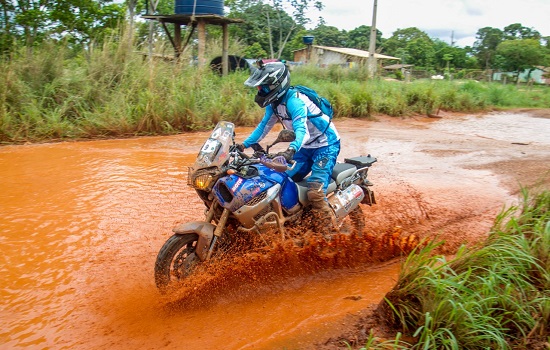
(496, 296)
(50, 93)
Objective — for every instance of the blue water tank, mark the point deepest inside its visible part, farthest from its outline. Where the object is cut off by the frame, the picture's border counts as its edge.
(308, 39)
(199, 7)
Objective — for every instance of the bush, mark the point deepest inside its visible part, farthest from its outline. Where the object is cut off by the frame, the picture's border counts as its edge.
(494, 296)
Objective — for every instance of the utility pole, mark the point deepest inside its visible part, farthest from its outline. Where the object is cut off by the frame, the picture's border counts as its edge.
(452, 38)
(372, 43)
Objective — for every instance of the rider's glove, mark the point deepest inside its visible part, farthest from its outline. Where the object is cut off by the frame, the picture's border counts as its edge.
(240, 147)
(257, 148)
(288, 154)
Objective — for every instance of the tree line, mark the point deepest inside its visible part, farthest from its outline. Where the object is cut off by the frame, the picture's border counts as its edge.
(271, 28)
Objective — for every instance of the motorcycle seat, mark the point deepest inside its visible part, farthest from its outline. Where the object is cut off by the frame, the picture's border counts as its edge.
(342, 171)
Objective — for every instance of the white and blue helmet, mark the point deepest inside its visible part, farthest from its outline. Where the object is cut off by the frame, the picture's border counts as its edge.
(272, 79)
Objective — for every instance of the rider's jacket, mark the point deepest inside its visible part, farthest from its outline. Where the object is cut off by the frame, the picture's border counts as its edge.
(296, 112)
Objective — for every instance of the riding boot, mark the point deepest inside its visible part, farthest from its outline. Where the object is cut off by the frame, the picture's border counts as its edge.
(324, 220)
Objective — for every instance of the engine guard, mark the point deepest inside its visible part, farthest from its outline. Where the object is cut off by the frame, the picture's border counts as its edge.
(204, 230)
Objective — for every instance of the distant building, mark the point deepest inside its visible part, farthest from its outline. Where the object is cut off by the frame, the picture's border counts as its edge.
(326, 55)
(399, 67)
(540, 75)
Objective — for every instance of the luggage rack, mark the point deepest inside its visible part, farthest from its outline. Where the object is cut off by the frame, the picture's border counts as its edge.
(362, 161)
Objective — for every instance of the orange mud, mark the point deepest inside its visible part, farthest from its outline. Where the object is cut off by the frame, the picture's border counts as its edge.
(82, 223)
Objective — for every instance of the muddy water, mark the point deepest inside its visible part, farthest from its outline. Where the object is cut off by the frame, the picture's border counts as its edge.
(82, 223)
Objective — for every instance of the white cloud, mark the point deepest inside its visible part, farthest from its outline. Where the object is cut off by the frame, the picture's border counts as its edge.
(438, 18)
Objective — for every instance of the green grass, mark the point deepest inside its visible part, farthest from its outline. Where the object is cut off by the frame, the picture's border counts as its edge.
(496, 296)
(50, 93)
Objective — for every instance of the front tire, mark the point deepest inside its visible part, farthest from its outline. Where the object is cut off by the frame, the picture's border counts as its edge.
(176, 260)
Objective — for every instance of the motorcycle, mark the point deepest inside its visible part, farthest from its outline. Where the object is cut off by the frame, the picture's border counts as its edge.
(246, 194)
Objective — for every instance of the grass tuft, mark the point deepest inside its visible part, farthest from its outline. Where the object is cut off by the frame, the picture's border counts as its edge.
(496, 296)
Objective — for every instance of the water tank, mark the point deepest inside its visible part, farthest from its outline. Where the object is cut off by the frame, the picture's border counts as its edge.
(308, 39)
(199, 7)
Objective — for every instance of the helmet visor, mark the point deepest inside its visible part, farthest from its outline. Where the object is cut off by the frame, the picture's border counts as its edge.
(263, 90)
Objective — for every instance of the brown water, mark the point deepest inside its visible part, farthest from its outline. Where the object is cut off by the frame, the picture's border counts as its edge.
(82, 223)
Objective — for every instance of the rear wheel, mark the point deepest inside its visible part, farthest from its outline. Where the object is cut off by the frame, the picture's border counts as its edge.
(353, 223)
(176, 260)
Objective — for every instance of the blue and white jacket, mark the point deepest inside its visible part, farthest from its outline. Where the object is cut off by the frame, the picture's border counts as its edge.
(293, 111)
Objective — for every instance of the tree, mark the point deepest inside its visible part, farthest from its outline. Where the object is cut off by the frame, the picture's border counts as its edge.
(412, 43)
(84, 20)
(485, 47)
(255, 51)
(329, 36)
(449, 56)
(282, 18)
(403, 54)
(32, 21)
(421, 52)
(253, 30)
(521, 54)
(401, 37)
(517, 31)
(359, 38)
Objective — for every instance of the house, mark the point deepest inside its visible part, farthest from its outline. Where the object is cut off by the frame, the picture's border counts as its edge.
(401, 67)
(539, 75)
(326, 55)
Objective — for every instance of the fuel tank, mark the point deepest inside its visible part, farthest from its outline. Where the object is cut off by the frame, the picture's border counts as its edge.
(234, 191)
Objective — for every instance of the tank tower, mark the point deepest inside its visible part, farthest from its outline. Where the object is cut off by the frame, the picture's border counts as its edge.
(197, 14)
(308, 41)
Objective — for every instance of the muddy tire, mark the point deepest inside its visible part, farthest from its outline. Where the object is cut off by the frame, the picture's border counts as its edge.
(354, 223)
(175, 260)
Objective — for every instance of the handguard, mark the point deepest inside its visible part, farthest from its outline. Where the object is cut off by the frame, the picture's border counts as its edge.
(277, 163)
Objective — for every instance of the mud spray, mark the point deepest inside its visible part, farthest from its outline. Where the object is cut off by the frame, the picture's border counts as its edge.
(244, 272)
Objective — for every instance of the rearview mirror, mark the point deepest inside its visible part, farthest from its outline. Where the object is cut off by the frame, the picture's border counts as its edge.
(285, 135)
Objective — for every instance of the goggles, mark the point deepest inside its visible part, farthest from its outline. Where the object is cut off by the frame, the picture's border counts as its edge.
(263, 89)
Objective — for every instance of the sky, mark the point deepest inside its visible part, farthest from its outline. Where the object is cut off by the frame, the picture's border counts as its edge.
(458, 20)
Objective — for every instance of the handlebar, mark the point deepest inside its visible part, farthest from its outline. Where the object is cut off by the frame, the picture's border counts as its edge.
(277, 163)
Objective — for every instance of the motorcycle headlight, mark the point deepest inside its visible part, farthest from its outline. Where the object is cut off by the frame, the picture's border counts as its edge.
(202, 181)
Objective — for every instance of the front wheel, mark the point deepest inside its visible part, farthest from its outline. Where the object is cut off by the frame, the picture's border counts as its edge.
(176, 260)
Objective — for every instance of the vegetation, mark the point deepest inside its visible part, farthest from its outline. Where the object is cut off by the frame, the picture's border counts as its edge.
(69, 69)
(272, 28)
(496, 296)
(53, 93)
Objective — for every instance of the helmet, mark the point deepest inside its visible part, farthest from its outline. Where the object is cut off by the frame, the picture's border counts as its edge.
(272, 80)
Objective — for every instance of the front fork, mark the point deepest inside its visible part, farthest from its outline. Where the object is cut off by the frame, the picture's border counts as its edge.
(219, 228)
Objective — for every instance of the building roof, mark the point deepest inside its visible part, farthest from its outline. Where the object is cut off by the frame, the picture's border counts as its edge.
(397, 66)
(354, 52)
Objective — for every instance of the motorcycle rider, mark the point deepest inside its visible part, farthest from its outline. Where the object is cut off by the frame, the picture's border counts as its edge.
(317, 142)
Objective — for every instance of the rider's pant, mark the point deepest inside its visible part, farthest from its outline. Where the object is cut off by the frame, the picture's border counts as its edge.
(318, 161)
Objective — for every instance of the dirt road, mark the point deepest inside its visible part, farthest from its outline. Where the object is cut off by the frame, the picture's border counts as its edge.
(83, 221)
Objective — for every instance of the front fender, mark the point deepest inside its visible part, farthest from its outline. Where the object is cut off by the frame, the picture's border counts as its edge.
(204, 230)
